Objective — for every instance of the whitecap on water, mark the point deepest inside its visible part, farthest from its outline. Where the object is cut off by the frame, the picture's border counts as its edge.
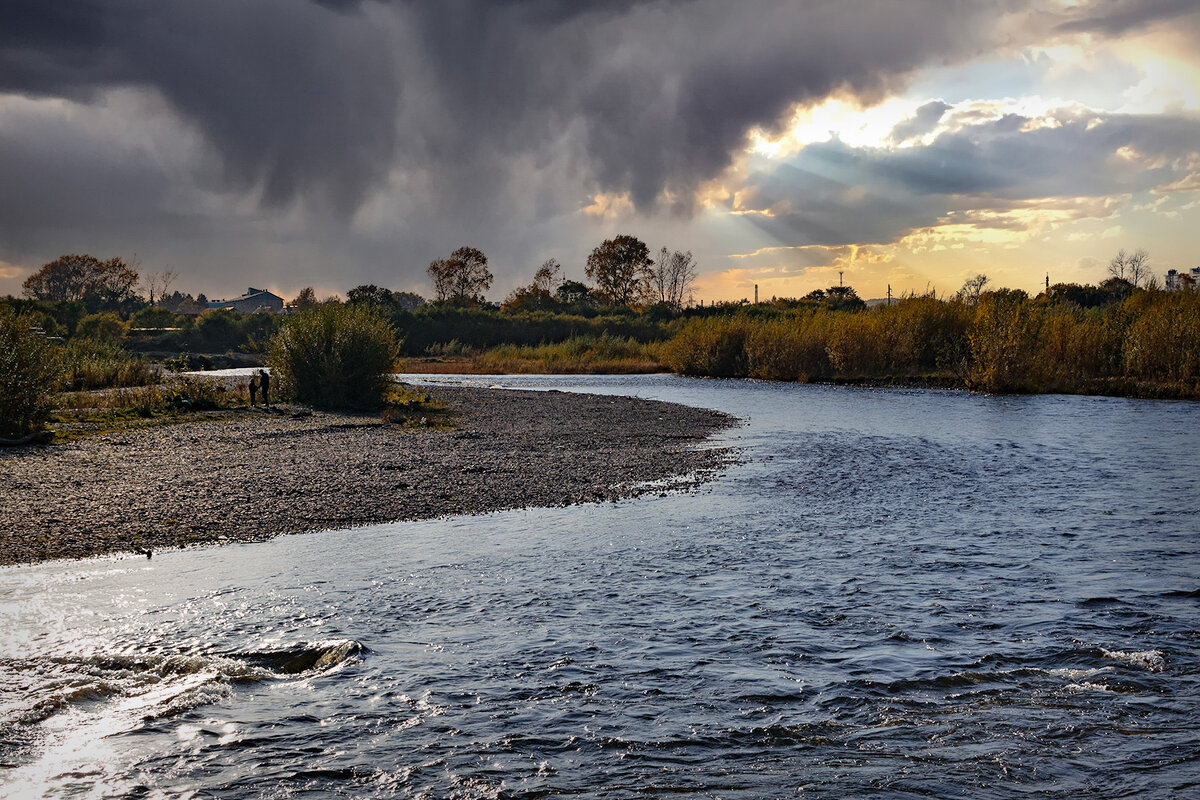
(71, 705)
(1152, 660)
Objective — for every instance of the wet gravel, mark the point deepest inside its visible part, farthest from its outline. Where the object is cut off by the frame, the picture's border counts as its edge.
(253, 475)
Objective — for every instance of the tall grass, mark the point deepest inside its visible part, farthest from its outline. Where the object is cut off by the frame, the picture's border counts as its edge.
(714, 346)
(335, 356)
(578, 354)
(96, 364)
(1002, 343)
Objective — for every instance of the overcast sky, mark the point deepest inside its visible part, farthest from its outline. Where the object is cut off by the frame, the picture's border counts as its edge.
(286, 143)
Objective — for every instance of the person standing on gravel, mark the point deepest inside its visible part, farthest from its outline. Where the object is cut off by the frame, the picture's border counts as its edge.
(265, 385)
(253, 389)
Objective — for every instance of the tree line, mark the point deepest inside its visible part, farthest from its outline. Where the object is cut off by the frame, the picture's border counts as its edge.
(1123, 335)
(622, 269)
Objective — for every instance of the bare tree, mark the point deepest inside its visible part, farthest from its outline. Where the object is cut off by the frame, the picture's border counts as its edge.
(539, 295)
(159, 283)
(972, 289)
(673, 277)
(546, 278)
(1132, 267)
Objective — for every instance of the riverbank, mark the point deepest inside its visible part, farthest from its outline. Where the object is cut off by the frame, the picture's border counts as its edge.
(248, 476)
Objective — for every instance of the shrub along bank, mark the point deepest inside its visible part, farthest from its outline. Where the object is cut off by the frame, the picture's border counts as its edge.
(335, 355)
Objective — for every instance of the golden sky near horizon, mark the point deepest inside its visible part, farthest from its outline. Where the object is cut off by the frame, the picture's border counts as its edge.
(1017, 241)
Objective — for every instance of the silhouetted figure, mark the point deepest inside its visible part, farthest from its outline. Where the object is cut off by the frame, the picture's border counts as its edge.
(253, 389)
(265, 384)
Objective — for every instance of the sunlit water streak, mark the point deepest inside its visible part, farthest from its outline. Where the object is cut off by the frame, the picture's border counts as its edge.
(900, 593)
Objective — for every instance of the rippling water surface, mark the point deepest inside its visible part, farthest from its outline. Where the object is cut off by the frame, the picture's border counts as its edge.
(900, 593)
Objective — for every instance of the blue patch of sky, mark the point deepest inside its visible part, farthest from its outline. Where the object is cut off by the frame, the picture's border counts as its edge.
(1099, 82)
(984, 79)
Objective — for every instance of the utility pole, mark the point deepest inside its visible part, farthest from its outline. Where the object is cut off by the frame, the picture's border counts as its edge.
(889, 294)
(839, 277)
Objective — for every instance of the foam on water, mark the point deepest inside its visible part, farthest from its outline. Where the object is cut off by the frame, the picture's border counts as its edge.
(1152, 660)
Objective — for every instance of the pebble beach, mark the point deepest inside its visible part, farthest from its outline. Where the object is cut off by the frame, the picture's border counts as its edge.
(253, 474)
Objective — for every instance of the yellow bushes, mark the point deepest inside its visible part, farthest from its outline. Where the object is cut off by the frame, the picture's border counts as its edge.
(1163, 341)
(917, 336)
(712, 346)
(1075, 347)
(1002, 342)
(1148, 343)
(793, 349)
(928, 336)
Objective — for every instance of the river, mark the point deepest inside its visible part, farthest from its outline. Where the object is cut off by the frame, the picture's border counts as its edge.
(896, 594)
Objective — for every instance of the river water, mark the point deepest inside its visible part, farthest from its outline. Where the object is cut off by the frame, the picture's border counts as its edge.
(897, 594)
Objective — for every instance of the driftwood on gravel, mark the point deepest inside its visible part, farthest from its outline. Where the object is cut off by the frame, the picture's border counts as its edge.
(37, 437)
(251, 476)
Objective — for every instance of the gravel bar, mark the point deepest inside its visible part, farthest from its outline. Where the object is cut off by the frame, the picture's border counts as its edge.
(254, 475)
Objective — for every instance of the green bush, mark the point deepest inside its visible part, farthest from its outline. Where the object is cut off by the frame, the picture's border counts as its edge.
(153, 317)
(28, 369)
(217, 330)
(335, 356)
(106, 327)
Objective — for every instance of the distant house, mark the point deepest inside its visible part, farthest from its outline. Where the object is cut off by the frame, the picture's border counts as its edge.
(1178, 280)
(253, 300)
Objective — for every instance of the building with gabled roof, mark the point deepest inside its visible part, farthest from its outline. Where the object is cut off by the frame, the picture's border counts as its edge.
(253, 300)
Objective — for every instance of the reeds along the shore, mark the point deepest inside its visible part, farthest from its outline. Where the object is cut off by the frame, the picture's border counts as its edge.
(1148, 344)
(96, 364)
(595, 354)
(480, 330)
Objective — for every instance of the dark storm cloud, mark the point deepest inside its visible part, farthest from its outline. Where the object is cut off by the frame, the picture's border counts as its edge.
(661, 93)
(304, 98)
(294, 96)
(428, 125)
(1115, 17)
(832, 194)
